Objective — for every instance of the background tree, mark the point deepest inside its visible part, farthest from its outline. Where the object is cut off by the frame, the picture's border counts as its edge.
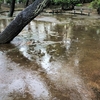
(12, 7)
(27, 1)
(96, 4)
(0, 5)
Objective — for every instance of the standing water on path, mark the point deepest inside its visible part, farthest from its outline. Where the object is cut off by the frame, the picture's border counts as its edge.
(53, 58)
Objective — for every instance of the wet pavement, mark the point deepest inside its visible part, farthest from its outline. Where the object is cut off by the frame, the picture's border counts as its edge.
(55, 57)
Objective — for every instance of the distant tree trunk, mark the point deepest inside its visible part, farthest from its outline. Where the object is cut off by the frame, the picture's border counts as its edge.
(27, 1)
(98, 10)
(22, 19)
(4, 2)
(0, 5)
(12, 7)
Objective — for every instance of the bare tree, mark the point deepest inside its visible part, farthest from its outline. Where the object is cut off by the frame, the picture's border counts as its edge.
(22, 19)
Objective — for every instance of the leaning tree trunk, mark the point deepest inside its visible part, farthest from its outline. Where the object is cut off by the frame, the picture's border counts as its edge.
(12, 7)
(22, 19)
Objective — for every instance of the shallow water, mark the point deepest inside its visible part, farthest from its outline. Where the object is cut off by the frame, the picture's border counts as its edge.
(54, 58)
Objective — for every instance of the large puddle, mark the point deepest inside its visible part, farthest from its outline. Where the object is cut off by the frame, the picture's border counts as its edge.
(55, 57)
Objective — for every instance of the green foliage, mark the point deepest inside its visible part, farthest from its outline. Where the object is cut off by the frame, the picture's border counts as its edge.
(65, 1)
(62, 1)
(0, 1)
(79, 4)
(8, 1)
(95, 4)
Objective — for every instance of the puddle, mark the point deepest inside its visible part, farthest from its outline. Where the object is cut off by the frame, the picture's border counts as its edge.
(52, 60)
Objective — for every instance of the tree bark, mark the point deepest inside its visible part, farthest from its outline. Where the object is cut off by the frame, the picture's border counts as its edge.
(22, 19)
(12, 7)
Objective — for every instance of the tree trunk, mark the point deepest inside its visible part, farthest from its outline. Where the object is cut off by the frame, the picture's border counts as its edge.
(27, 1)
(0, 5)
(12, 7)
(22, 19)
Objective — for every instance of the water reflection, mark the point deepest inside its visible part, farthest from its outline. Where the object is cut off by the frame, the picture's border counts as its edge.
(52, 61)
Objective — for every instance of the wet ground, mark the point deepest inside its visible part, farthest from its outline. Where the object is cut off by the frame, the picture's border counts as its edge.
(55, 57)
